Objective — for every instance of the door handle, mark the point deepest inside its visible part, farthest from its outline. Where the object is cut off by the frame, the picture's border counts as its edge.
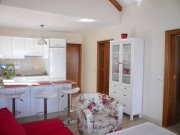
(174, 77)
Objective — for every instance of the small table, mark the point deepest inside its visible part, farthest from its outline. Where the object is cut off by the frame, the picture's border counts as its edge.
(144, 129)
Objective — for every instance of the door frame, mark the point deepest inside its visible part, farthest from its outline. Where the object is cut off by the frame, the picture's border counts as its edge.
(98, 61)
(168, 93)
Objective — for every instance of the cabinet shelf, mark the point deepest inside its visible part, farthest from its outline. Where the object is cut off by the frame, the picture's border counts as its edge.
(115, 73)
(128, 75)
(126, 62)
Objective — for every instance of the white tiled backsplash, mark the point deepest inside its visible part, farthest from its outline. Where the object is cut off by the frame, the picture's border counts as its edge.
(28, 66)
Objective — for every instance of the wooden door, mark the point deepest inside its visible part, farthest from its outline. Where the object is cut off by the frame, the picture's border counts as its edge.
(103, 59)
(74, 63)
(171, 79)
(177, 75)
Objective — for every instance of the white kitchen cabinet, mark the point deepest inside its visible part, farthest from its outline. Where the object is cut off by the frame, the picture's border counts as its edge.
(23, 104)
(32, 48)
(57, 64)
(38, 49)
(5, 47)
(6, 102)
(46, 50)
(57, 43)
(63, 98)
(17, 47)
(29, 46)
(37, 105)
(52, 103)
(126, 74)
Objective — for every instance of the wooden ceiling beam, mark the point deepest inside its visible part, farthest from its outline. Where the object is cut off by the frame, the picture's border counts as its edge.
(116, 4)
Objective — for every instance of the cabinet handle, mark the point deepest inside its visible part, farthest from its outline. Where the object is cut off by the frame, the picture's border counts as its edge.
(120, 62)
(125, 88)
(124, 94)
(124, 105)
(114, 92)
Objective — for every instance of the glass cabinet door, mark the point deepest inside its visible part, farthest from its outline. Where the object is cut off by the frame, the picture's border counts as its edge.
(115, 63)
(126, 65)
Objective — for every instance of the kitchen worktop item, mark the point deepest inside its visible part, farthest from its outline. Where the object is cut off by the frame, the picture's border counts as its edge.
(10, 71)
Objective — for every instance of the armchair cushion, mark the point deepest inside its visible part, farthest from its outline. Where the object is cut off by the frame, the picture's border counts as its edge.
(98, 113)
(9, 125)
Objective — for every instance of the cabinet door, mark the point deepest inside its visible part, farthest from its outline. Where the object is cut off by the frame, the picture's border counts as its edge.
(37, 105)
(115, 58)
(63, 100)
(38, 49)
(32, 48)
(57, 63)
(126, 63)
(28, 46)
(18, 47)
(23, 104)
(4, 102)
(46, 51)
(5, 45)
(52, 103)
(57, 42)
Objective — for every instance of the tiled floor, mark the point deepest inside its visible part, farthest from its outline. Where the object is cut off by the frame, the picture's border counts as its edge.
(126, 121)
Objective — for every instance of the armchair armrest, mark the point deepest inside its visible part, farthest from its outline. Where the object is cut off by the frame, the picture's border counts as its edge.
(89, 120)
(119, 111)
(86, 118)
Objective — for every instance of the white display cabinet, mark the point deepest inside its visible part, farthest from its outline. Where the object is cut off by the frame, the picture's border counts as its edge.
(126, 74)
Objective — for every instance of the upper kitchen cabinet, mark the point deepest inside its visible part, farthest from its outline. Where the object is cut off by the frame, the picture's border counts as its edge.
(32, 48)
(17, 47)
(11, 47)
(57, 43)
(5, 47)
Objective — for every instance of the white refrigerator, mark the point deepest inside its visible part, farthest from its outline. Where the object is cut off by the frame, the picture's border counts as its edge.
(57, 63)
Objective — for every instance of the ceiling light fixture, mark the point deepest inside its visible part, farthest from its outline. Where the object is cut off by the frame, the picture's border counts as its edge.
(42, 41)
(86, 20)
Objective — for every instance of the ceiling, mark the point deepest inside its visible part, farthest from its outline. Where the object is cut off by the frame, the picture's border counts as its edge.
(59, 15)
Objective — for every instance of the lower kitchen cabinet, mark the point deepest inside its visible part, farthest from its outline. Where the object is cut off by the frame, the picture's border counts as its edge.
(23, 104)
(37, 105)
(63, 98)
(52, 103)
(30, 104)
(6, 102)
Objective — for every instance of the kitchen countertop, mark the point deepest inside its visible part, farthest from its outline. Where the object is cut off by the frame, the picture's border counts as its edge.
(46, 83)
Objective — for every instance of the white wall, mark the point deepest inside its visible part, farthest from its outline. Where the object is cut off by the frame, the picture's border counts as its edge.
(149, 21)
(70, 37)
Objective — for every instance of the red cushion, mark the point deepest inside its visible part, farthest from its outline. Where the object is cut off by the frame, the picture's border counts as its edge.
(8, 124)
(46, 127)
(63, 131)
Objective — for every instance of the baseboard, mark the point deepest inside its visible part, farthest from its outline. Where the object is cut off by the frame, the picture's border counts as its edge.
(152, 120)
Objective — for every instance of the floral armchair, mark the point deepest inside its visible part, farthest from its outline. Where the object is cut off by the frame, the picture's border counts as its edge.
(98, 114)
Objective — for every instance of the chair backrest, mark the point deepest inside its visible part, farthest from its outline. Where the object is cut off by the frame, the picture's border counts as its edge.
(94, 101)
